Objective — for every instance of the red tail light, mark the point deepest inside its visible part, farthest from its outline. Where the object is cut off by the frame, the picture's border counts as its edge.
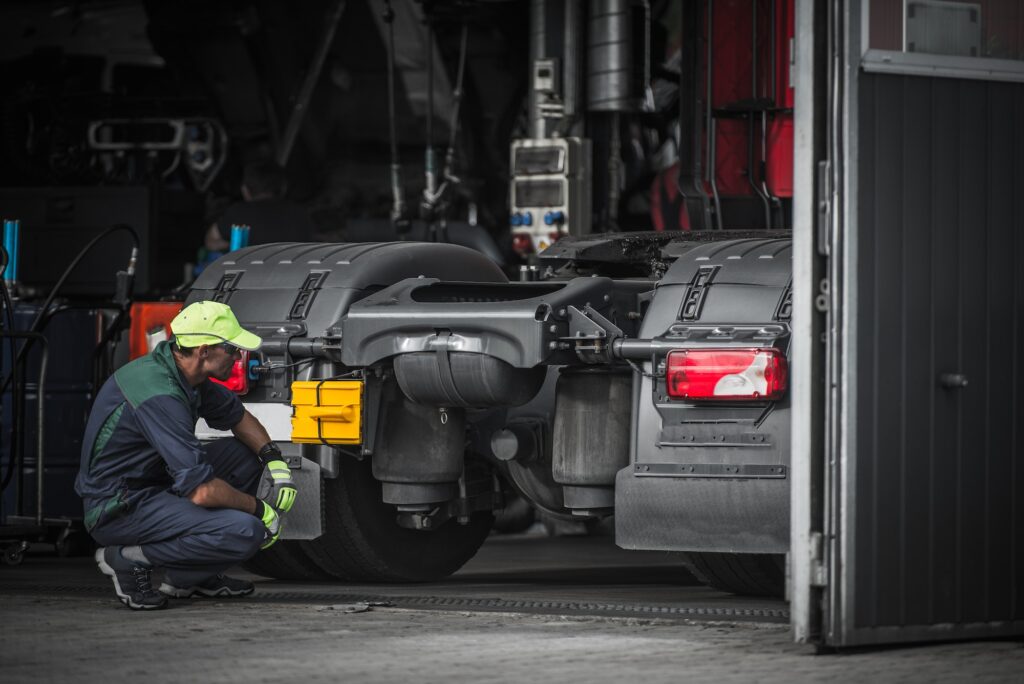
(724, 374)
(238, 381)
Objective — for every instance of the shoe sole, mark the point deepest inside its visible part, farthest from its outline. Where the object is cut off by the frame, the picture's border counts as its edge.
(124, 598)
(222, 592)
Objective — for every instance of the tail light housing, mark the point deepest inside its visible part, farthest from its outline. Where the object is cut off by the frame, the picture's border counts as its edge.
(726, 374)
(238, 381)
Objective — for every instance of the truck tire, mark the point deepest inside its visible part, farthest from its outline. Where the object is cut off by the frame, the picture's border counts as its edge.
(363, 543)
(747, 574)
(285, 560)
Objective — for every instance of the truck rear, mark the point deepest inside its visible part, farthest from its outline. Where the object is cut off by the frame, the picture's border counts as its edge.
(415, 389)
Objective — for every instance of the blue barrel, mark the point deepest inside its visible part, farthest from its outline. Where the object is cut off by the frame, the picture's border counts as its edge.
(12, 229)
(239, 237)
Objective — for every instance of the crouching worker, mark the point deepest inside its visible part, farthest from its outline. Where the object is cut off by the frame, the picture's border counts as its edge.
(154, 496)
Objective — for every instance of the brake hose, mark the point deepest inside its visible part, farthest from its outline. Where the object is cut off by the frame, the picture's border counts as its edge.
(429, 163)
(453, 125)
(36, 324)
(398, 200)
(433, 192)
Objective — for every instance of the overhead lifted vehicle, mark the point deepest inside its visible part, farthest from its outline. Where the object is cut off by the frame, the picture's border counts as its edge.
(643, 375)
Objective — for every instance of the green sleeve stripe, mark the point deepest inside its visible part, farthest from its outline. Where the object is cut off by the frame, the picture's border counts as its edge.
(94, 514)
(105, 432)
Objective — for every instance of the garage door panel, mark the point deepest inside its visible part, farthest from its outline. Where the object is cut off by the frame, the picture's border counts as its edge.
(935, 520)
(943, 436)
(915, 282)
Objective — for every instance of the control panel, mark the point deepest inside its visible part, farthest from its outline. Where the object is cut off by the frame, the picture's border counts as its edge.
(550, 193)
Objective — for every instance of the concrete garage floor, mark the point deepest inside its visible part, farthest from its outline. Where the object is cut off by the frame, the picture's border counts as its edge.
(572, 609)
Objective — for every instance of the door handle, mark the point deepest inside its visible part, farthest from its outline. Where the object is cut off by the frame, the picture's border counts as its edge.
(952, 381)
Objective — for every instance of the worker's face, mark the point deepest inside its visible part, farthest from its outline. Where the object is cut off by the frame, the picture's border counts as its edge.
(220, 359)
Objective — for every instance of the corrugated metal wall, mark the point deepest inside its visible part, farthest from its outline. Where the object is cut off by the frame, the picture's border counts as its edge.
(939, 511)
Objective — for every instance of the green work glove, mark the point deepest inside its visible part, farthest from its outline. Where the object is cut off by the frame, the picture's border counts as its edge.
(281, 492)
(271, 521)
(282, 488)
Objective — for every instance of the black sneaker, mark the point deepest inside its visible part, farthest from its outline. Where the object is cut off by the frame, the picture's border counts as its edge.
(131, 580)
(219, 585)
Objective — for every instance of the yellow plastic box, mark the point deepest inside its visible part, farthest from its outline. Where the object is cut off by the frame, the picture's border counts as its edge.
(327, 412)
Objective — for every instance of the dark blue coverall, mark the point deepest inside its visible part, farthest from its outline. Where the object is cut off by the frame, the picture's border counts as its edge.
(141, 460)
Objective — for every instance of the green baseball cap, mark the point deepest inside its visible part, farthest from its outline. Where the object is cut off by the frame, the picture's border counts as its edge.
(211, 323)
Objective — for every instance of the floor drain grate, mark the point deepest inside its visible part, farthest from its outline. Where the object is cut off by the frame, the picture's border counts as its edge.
(465, 603)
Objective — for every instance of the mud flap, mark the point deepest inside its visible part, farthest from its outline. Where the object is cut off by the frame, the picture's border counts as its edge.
(305, 520)
(711, 512)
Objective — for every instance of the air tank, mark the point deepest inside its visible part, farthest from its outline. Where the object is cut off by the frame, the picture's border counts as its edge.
(614, 82)
(419, 452)
(591, 434)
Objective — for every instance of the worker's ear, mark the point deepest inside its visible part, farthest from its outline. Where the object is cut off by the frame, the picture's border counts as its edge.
(203, 351)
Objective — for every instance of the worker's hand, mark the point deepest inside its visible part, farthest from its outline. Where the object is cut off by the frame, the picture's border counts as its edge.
(282, 488)
(281, 491)
(271, 521)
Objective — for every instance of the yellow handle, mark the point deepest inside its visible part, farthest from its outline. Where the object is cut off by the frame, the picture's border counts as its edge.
(337, 414)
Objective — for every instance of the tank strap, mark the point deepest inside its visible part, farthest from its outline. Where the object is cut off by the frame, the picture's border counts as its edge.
(444, 369)
(319, 421)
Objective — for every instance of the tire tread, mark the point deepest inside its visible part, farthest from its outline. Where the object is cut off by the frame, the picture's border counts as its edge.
(285, 560)
(747, 574)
